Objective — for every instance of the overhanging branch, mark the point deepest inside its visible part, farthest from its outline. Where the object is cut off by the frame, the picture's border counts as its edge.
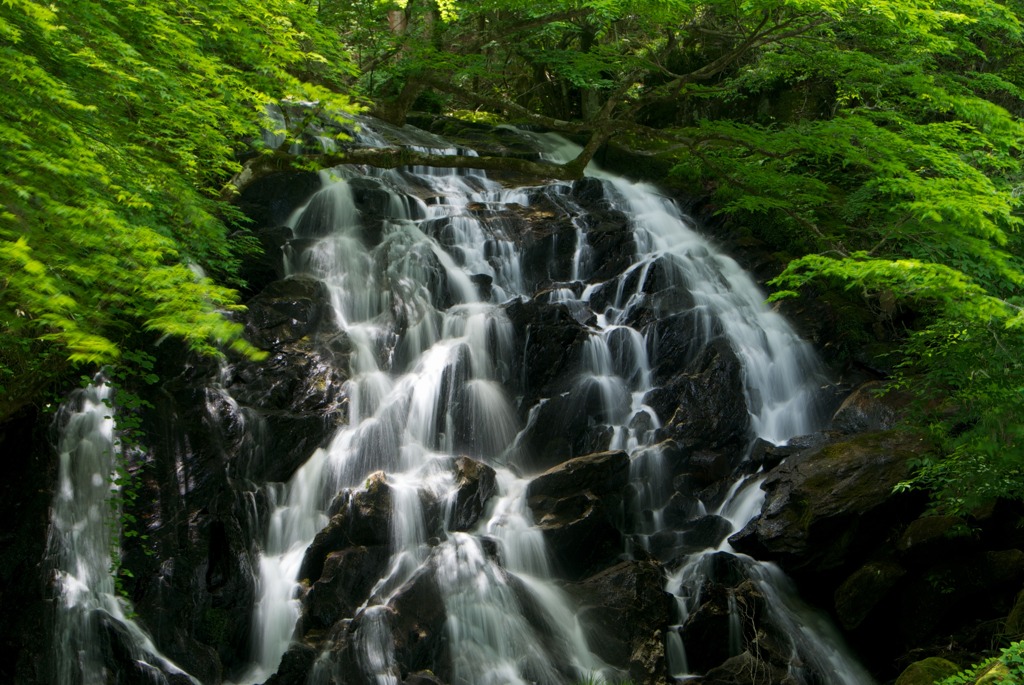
(394, 157)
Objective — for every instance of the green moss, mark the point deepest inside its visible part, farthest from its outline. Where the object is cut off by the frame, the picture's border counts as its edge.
(213, 627)
(927, 671)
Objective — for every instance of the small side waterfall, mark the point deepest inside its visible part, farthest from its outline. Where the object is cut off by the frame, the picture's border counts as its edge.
(89, 615)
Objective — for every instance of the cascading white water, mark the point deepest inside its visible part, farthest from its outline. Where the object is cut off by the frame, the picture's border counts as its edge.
(781, 377)
(84, 524)
(434, 390)
(433, 387)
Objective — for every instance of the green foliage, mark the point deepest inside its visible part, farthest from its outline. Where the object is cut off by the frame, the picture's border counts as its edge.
(878, 141)
(122, 125)
(1005, 669)
(134, 369)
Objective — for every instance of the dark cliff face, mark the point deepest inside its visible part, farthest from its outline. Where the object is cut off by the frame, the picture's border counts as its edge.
(219, 440)
(25, 494)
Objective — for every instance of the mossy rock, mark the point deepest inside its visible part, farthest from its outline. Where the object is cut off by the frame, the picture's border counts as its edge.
(927, 671)
(997, 674)
(1014, 626)
(825, 505)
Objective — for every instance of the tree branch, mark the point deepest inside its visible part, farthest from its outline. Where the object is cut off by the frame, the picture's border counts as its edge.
(394, 157)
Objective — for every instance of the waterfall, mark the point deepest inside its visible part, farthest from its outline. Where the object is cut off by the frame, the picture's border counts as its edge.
(426, 275)
(89, 613)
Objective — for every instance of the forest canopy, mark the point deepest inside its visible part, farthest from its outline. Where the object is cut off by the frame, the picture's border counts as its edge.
(876, 145)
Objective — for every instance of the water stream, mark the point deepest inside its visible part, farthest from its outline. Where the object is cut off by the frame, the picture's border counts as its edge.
(90, 614)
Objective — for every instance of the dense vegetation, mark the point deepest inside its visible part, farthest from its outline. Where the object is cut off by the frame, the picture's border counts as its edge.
(877, 143)
(121, 124)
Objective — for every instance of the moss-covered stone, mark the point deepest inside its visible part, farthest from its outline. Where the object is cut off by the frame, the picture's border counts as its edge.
(927, 671)
(996, 674)
(825, 503)
(1014, 626)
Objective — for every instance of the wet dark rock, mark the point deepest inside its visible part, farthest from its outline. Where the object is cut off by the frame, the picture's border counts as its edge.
(365, 521)
(866, 409)
(285, 311)
(562, 429)
(422, 678)
(551, 338)
(580, 533)
(548, 239)
(864, 590)
(827, 503)
(680, 510)
(295, 666)
(728, 620)
(483, 283)
(749, 669)
(588, 191)
(666, 293)
(200, 529)
(707, 531)
(704, 407)
(120, 657)
(706, 636)
(576, 506)
(344, 584)
(476, 483)
(626, 611)
(724, 569)
(271, 199)
(603, 473)
(418, 625)
(290, 440)
(703, 467)
(767, 456)
(612, 244)
(259, 271)
(675, 341)
(290, 404)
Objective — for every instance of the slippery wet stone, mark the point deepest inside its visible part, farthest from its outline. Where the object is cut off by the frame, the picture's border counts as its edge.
(418, 625)
(344, 584)
(295, 666)
(626, 613)
(825, 503)
(705, 406)
(364, 520)
(475, 483)
(603, 473)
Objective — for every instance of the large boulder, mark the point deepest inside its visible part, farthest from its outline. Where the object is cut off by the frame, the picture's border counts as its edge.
(418, 625)
(704, 405)
(360, 519)
(285, 311)
(825, 505)
(869, 408)
(927, 671)
(577, 506)
(626, 612)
